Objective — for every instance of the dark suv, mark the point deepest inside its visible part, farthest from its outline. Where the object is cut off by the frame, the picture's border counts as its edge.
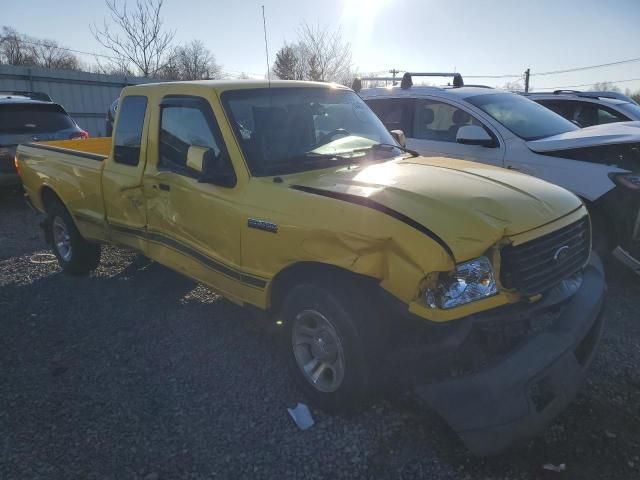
(589, 108)
(30, 117)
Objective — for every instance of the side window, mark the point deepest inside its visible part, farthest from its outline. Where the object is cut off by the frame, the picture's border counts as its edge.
(395, 113)
(606, 115)
(128, 135)
(439, 121)
(563, 108)
(186, 122)
(588, 114)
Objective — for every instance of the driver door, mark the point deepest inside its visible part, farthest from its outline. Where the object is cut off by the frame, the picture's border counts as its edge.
(193, 226)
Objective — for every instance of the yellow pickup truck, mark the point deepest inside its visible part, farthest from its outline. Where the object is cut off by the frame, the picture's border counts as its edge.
(293, 199)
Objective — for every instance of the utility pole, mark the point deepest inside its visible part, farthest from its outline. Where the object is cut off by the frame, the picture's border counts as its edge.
(394, 72)
(527, 72)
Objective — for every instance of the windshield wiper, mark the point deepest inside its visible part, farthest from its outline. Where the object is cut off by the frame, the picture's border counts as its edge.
(304, 159)
(387, 147)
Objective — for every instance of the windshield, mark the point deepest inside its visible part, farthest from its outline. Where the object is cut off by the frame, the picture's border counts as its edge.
(33, 118)
(524, 117)
(286, 130)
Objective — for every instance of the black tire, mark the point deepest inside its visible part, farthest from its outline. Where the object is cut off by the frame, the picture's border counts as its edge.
(82, 257)
(356, 324)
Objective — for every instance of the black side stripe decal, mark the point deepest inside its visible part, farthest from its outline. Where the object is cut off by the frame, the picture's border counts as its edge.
(190, 252)
(75, 153)
(367, 202)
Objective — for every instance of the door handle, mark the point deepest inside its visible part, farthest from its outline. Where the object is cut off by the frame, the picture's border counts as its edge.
(164, 186)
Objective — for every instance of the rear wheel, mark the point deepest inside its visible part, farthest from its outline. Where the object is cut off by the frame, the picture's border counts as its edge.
(75, 254)
(333, 338)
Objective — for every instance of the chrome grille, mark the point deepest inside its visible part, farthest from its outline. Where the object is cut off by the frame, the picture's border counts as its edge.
(540, 264)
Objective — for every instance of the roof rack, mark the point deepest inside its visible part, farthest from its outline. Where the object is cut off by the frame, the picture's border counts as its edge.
(597, 94)
(557, 92)
(43, 97)
(407, 79)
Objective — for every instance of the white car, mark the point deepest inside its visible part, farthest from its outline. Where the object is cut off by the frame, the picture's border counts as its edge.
(586, 109)
(600, 164)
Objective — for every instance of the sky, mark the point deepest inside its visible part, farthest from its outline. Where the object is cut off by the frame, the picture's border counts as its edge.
(473, 37)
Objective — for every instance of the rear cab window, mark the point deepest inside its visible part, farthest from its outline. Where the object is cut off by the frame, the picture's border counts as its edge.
(26, 118)
(128, 134)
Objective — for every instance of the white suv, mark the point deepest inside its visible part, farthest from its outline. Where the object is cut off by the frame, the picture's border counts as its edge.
(586, 109)
(601, 164)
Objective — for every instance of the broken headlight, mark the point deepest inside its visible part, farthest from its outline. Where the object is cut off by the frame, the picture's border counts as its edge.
(471, 281)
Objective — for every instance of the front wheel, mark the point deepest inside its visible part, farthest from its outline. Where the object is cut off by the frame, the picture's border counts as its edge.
(75, 254)
(331, 343)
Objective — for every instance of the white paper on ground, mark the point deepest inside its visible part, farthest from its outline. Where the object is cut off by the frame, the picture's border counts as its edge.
(302, 416)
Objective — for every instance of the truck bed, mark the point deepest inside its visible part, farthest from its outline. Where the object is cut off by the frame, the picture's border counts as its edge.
(100, 146)
(71, 169)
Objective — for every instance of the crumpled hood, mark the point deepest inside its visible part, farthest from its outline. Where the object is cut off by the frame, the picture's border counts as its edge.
(610, 133)
(470, 206)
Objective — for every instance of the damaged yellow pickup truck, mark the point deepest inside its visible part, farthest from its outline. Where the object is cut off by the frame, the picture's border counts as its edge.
(293, 199)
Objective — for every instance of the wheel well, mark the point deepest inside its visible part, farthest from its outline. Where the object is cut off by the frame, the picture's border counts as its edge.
(48, 197)
(310, 271)
(600, 219)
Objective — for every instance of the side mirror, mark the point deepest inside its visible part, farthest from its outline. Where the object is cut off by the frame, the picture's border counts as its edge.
(474, 135)
(399, 137)
(195, 157)
(215, 169)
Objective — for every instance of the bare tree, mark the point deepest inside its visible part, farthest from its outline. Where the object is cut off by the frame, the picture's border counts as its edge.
(319, 54)
(48, 54)
(515, 86)
(13, 49)
(19, 49)
(192, 61)
(196, 62)
(329, 57)
(605, 87)
(112, 67)
(136, 36)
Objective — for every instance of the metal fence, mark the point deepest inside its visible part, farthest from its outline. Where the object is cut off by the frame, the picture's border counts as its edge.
(86, 96)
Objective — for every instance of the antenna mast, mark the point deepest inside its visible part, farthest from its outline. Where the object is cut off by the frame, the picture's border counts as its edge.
(266, 46)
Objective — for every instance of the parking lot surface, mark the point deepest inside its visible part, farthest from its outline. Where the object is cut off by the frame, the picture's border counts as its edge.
(139, 372)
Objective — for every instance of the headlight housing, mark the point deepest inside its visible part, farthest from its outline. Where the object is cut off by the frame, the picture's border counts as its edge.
(471, 281)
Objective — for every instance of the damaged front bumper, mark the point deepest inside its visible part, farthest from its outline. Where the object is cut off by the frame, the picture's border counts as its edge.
(516, 394)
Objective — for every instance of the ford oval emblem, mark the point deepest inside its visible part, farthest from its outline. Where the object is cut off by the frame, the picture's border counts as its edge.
(561, 253)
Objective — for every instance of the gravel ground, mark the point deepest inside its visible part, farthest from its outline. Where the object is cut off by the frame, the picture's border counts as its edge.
(138, 372)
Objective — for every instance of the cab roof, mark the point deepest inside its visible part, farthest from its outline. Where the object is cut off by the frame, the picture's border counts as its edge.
(224, 85)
